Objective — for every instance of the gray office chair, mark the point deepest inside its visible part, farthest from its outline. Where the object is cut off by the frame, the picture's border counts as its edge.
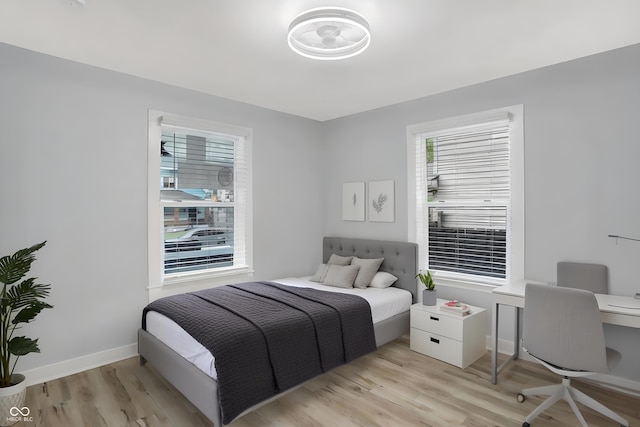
(563, 331)
(592, 277)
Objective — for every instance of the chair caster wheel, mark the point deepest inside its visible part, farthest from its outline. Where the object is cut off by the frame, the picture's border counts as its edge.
(521, 397)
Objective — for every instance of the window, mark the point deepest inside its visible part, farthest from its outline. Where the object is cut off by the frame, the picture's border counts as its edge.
(467, 174)
(199, 198)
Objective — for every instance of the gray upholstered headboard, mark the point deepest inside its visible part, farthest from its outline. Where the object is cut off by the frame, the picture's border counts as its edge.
(400, 258)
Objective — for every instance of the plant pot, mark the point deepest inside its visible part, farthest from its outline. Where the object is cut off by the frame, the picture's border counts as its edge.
(429, 297)
(12, 399)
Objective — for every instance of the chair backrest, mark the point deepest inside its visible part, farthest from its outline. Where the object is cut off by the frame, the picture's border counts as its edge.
(563, 327)
(592, 277)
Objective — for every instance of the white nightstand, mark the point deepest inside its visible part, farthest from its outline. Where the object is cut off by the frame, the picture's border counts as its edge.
(458, 340)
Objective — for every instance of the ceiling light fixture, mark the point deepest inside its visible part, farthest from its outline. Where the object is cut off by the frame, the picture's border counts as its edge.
(329, 33)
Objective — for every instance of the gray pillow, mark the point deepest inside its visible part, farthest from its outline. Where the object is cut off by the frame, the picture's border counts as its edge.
(341, 276)
(368, 268)
(320, 274)
(382, 279)
(339, 260)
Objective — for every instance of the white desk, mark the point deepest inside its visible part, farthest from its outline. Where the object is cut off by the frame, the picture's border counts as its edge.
(615, 309)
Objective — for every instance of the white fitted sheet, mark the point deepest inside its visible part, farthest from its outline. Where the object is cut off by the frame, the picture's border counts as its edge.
(385, 303)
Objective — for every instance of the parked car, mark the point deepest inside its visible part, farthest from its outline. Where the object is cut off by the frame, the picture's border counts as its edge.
(198, 258)
(199, 248)
(201, 236)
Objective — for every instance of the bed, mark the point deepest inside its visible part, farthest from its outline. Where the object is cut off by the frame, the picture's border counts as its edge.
(192, 376)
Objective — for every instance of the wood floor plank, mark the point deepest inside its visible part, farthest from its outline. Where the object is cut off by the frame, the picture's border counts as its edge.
(147, 413)
(392, 387)
(178, 410)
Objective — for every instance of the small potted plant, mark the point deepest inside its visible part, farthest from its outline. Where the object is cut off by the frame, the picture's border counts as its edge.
(20, 302)
(429, 293)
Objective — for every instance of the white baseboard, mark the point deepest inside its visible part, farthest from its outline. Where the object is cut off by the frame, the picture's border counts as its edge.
(79, 364)
(504, 346)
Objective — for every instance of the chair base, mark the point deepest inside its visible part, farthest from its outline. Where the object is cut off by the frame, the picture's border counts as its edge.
(572, 395)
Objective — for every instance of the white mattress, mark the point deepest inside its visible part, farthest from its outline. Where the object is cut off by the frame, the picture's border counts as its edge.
(385, 303)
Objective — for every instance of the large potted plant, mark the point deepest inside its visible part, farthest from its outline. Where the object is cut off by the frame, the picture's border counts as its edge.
(429, 296)
(20, 302)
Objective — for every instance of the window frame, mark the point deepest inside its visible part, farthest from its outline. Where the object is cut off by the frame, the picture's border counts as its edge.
(516, 214)
(155, 210)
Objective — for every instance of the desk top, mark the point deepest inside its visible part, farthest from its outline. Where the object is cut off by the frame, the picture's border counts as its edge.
(515, 289)
(513, 293)
(618, 304)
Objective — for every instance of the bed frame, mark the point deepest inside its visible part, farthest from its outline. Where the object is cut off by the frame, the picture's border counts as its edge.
(400, 259)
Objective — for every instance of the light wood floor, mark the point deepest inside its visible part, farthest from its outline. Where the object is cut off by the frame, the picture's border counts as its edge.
(391, 387)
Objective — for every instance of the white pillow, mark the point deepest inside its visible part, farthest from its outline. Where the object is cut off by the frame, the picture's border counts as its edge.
(341, 276)
(382, 279)
(340, 260)
(320, 274)
(368, 268)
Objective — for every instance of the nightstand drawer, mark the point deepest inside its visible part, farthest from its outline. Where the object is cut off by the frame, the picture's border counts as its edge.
(436, 323)
(436, 346)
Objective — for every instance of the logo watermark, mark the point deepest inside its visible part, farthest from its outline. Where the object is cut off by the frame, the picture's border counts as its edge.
(20, 414)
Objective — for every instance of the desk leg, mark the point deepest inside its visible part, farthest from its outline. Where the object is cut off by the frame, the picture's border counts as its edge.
(516, 335)
(495, 369)
(494, 343)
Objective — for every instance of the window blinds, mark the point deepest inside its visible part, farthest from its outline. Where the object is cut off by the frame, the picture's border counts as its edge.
(204, 196)
(192, 161)
(472, 165)
(463, 176)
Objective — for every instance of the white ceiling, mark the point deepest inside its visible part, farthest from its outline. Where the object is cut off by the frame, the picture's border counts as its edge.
(237, 49)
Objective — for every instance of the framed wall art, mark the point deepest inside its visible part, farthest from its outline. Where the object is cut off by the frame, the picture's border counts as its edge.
(353, 201)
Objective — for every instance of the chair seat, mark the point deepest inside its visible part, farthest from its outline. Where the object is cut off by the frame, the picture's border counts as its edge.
(613, 358)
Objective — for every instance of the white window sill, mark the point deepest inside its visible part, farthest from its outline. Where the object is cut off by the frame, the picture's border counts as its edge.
(225, 272)
(190, 282)
(462, 284)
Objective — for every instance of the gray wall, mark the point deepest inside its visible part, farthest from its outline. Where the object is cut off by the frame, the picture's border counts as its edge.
(74, 172)
(73, 168)
(582, 146)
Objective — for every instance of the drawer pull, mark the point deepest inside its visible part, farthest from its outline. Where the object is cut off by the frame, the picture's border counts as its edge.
(435, 340)
(437, 319)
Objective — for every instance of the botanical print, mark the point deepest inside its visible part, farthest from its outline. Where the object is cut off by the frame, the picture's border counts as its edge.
(381, 201)
(377, 204)
(353, 201)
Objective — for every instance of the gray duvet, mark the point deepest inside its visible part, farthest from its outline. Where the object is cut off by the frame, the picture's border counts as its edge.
(267, 337)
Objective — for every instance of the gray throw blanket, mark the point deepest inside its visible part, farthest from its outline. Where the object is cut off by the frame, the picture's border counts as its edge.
(267, 337)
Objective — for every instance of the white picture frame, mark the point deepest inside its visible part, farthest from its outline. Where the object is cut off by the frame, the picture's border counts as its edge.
(381, 201)
(353, 201)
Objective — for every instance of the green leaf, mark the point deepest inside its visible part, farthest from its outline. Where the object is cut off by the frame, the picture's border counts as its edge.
(427, 280)
(15, 267)
(19, 346)
(26, 293)
(29, 313)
